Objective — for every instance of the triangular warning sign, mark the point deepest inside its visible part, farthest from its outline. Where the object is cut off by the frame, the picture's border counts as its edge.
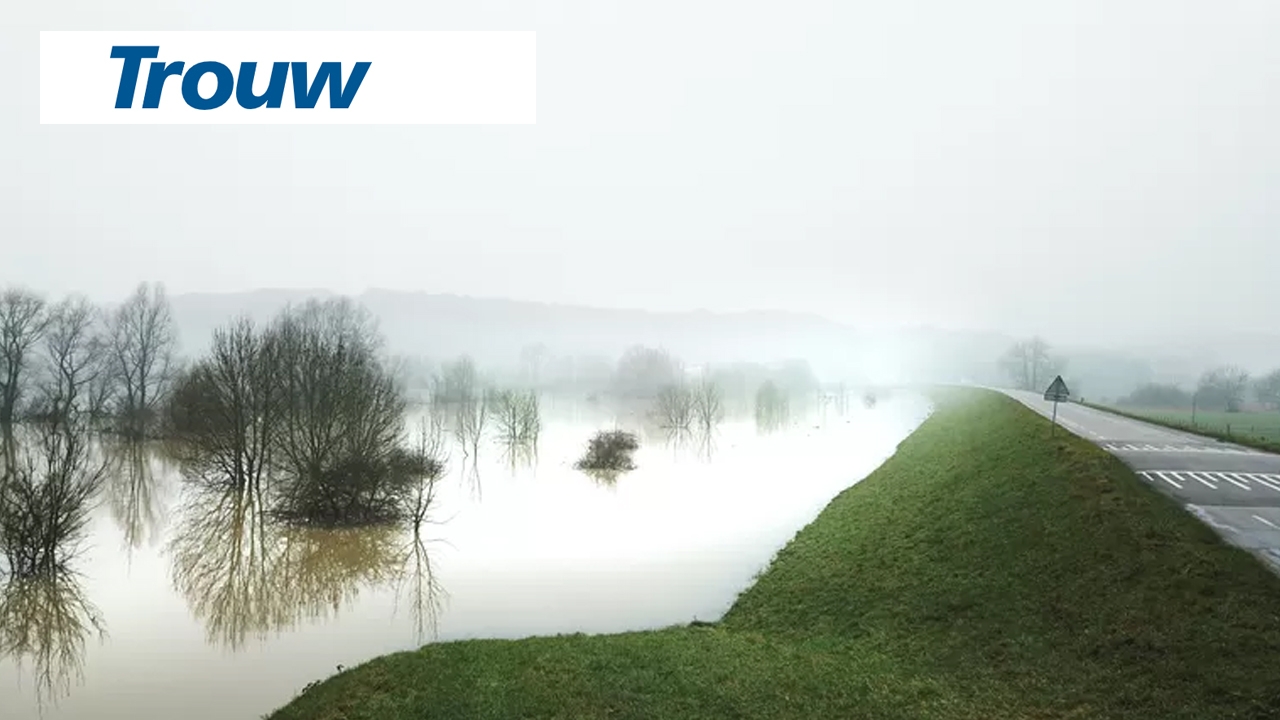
(1057, 391)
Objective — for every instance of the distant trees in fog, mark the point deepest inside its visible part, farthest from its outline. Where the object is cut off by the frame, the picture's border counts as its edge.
(72, 357)
(1029, 365)
(1267, 390)
(643, 371)
(22, 323)
(1165, 396)
(1222, 388)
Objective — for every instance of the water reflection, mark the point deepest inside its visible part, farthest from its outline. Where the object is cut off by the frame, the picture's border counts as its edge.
(420, 586)
(255, 609)
(133, 493)
(247, 575)
(47, 490)
(519, 455)
(45, 623)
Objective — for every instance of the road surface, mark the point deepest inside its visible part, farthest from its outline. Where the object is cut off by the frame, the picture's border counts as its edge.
(1236, 490)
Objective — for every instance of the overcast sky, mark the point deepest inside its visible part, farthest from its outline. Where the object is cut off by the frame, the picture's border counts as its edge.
(1096, 171)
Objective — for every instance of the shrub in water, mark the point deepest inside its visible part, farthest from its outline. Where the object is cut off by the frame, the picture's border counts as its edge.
(609, 450)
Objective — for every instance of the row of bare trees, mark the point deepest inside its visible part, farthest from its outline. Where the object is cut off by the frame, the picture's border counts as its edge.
(73, 358)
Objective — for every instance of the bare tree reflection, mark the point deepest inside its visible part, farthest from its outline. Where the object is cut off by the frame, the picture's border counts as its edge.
(222, 552)
(246, 575)
(418, 582)
(45, 623)
(470, 420)
(604, 478)
(133, 494)
(46, 498)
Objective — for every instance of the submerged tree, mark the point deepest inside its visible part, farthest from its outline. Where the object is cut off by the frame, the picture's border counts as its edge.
(75, 372)
(675, 408)
(609, 451)
(772, 407)
(22, 324)
(142, 343)
(339, 445)
(46, 498)
(517, 416)
(227, 409)
(708, 405)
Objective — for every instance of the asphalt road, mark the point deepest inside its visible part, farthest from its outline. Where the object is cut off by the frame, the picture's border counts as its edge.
(1236, 490)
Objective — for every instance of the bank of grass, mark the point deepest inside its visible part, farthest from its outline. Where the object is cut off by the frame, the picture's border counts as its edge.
(1251, 429)
(985, 571)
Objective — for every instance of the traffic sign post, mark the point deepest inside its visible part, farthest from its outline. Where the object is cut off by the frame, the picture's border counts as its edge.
(1056, 392)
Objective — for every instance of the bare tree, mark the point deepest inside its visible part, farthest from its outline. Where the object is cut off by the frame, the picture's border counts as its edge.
(708, 405)
(342, 414)
(75, 362)
(226, 409)
(47, 498)
(674, 409)
(643, 371)
(143, 341)
(1223, 387)
(22, 323)
(1267, 389)
(533, 358)
(772, 407)
(457, 382)
(1029, 365)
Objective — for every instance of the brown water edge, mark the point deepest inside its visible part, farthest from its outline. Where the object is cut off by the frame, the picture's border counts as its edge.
(210, 611)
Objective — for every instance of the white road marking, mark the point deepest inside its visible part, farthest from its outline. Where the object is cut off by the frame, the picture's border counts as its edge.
(1228, 477)
(1208, 478)
(1197, 478)
(1264, 481)
(1172, 448)
(1266, 522)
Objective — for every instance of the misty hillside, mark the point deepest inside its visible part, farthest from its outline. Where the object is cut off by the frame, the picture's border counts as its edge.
(495, 330)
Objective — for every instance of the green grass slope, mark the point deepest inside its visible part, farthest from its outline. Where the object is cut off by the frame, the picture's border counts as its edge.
(985, 571)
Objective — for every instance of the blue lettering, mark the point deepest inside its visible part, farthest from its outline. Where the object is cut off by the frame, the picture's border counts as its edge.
(305, 93)
(304, 97)
(132, 56)
(274, 95)
(221, 93)
(156, 76)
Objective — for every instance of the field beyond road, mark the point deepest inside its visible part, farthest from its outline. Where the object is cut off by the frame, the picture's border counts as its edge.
(985, 571)
(1255, 429)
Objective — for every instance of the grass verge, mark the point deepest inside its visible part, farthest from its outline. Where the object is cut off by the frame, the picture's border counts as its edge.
(1220, 430)
(984, 571)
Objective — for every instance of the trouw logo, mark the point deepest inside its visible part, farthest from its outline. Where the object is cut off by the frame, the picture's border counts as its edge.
(306, 93)
(281, 77)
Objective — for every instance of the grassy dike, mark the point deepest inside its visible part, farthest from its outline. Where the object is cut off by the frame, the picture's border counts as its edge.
(984, 571)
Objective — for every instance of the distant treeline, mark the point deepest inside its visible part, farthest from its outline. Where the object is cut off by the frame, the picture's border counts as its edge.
(1032, 364)
(1226, 389)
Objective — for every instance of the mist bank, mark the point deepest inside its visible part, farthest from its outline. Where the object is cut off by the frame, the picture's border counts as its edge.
(496, 331)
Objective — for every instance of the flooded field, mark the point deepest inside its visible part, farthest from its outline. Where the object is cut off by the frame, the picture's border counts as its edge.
(188, 601)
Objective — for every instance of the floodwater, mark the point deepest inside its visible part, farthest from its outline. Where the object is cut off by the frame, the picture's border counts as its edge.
(190, 604)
